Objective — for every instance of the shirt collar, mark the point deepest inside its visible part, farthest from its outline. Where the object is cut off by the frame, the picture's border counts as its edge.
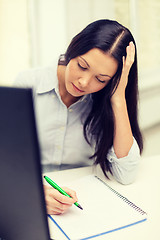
(48, 80)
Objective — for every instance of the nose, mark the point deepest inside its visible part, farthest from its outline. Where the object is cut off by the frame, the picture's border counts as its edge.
(84, 81)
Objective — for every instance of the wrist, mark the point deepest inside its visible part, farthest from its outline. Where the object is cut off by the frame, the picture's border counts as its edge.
(118, 101)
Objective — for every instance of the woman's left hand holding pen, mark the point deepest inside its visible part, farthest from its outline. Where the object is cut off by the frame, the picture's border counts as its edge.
(56, 203)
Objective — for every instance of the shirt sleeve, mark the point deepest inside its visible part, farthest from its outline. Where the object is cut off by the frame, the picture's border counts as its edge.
(24, 79)
(125, 169)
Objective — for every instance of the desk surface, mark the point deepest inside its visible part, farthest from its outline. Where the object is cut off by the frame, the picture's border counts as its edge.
(145, 192)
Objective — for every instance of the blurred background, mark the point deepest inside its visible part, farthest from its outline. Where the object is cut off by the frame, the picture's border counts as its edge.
(33, 32)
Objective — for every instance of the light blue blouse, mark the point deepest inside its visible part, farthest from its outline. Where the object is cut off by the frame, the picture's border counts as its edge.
(60, 128)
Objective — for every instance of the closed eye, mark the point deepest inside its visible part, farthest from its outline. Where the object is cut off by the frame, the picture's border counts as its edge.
(100, 80)
(83, 68)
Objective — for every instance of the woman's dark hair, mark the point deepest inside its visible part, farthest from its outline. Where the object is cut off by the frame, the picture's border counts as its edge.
(113, 38)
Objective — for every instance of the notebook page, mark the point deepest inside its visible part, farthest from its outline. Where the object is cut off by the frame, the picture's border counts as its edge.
(102, 212)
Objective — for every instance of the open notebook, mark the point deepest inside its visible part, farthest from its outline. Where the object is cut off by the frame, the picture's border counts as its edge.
(104, 211)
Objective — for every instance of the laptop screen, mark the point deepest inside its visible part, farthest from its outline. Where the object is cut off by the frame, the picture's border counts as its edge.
(22, 204)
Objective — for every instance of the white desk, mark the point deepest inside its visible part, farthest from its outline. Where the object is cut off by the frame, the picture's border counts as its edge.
(145, 192)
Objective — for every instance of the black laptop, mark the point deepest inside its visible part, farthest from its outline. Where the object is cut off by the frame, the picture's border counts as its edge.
(22, 204)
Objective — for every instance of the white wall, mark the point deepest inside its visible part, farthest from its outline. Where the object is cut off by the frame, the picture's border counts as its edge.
(48, 30)
(14, 39)
(81, 13)
(149, 109)
(149, 114)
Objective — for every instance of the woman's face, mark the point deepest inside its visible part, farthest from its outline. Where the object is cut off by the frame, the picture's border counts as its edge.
(89, 73)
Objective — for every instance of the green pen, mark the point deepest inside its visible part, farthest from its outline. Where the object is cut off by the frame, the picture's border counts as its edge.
(53, 184)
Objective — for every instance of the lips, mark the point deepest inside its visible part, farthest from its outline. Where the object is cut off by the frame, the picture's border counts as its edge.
(77, 89)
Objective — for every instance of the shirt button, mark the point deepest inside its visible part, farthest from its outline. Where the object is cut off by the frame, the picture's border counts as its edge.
(111, 160)
(70, 110)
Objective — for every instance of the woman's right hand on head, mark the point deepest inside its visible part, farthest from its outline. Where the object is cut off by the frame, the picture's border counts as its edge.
(57, 203)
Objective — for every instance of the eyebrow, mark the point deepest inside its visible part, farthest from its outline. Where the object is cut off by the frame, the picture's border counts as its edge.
(104, 75)
(85, 61)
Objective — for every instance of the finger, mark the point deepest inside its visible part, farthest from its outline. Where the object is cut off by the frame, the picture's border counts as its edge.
(71, 193)
(131, 51)
(54, 205)
(57, 208)
(54, 201)
(57, 203)
(56, 211)
(55, 194)
(123, 60)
